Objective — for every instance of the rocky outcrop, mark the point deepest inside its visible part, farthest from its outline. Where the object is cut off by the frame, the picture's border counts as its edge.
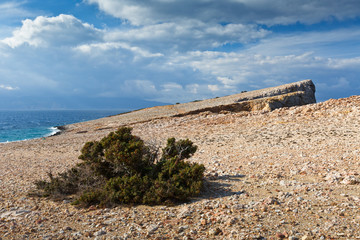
(288, 95)
(306, 88)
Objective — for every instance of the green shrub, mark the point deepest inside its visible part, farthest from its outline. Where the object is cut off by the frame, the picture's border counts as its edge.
(121, 169)
(120, 153)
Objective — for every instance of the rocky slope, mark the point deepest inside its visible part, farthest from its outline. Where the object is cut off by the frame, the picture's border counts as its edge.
(291, 173)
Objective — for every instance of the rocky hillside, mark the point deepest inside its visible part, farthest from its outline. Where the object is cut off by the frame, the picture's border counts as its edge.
(290, 173)
(268, 99)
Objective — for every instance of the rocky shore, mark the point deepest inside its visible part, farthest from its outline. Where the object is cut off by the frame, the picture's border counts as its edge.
(290, 173)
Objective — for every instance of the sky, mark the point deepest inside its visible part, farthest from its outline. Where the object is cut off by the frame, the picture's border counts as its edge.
(75, 54)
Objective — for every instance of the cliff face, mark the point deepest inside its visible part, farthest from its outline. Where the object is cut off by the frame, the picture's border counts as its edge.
(305, 87)
(288, 95)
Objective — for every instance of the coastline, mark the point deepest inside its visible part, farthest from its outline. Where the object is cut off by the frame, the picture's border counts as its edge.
(27, 125)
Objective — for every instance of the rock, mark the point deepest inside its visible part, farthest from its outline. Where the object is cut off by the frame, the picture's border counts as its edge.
(88, 234)
(350, 180)
(76, 234)
(271, 201)
(293, 238)
(14, 214)
(100, 233)
(231, 221)
(215, 231)
(280, 235)
(184, 212)
(110, 221)
(203, 221)
(152, 228)
(182, 228)
(68, 228)
(288, 95)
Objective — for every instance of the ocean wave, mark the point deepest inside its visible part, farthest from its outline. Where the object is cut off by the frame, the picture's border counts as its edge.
(54, 131)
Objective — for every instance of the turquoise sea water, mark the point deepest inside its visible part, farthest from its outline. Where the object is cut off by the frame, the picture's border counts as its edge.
(24, 125)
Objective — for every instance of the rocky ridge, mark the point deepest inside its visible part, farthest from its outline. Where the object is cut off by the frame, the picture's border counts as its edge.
(268, 99)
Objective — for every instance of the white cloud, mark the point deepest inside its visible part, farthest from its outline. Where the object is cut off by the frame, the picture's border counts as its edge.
(108, 46)
(349, 63)
(226, 81)
(147, 12)
(213, 88)
(188, 35)
(233, 72)
(56, 31)
(171, 86)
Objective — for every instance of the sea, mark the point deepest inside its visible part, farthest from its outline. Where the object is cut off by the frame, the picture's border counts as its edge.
(25, 125)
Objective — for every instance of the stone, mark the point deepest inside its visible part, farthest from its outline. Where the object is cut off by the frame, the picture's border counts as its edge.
(184, 212)
(271, 201)
(279, 235)
(100, 233)
(203, 221)
(231, 221)
(215, 231)
(152, 228)
(350, 180)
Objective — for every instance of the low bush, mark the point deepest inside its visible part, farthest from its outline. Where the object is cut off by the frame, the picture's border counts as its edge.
(121, 169)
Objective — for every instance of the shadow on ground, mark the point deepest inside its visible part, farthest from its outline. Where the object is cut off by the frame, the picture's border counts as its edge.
(218, 187)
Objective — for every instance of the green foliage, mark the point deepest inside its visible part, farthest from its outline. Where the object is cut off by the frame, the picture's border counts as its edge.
(180, 150)
(121, 169)
(177, 180)
(120, 153)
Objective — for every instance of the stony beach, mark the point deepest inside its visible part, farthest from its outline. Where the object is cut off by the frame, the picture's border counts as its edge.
(291, 173)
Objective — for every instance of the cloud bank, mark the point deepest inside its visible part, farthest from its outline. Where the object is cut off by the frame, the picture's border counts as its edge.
(177, 51)
(145, 12)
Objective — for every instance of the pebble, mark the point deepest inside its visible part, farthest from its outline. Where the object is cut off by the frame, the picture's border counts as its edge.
(215, 231)
(99, 233)
(152, 228)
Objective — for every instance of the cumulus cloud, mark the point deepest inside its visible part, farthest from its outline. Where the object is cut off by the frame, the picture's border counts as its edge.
(145, 12)
(100, 48)
(250, 72)
(188, 35)
(59, 30)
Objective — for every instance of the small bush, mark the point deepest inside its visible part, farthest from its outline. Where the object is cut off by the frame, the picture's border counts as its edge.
(121, 169)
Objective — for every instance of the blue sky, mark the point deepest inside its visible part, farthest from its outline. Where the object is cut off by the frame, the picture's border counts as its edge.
(112, 53)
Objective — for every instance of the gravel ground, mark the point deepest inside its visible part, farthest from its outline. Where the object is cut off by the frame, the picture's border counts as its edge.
(292, 173)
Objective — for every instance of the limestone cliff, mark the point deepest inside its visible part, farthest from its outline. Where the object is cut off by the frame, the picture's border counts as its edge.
(288, 95)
